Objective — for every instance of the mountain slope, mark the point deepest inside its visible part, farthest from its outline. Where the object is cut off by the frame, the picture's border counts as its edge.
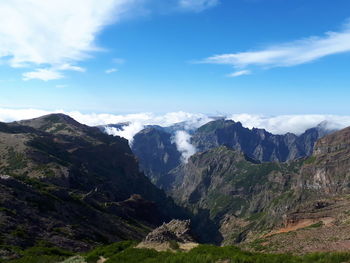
(73, 186)
(238, 193)
(300, 206)
(257, 143)
(156, 152)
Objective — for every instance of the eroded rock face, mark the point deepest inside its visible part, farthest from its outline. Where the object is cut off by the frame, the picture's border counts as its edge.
(175, 230)
(327, 171)
(257, 143)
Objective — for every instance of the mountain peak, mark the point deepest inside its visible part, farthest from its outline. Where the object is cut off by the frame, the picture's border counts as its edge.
(54, 123)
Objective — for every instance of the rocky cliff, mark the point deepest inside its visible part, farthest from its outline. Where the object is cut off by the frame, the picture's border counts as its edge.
(157, 152)
(257, 143)
(299, 205)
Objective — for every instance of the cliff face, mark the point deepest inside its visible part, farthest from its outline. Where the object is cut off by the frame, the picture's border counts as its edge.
(157, 154)
(73, 186)
(302, 203)
(327, 171)
(239, 194)
(257, 143)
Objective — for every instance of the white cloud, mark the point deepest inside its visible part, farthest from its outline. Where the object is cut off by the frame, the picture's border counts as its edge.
(111, 70)
(290, 53)
(239, 73)
(54, 33)
(290, 123)
(275, 124)
(52, 36)
(182, 140)
(197, 5)
(71, 67)
(42, 74)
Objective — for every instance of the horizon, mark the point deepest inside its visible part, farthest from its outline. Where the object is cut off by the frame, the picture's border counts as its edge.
(278, 124)
(199, 56)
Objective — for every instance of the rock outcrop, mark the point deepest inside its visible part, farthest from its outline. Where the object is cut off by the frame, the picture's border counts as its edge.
(175, 230)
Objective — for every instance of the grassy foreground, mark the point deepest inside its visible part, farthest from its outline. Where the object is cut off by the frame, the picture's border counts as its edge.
(124, 252)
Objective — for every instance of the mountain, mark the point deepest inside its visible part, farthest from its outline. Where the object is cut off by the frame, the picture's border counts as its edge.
(157, 152)
(73, 186)
(300, 205)
(236, 191)
(257, 143)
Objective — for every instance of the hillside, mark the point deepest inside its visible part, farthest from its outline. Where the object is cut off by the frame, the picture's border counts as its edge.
(73, 186)
(298, 206)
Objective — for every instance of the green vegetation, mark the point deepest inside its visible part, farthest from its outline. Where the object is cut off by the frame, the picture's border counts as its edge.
(310, 160)
(212, 254)
(15, 160)
(107, 251)
(124, 252)
(41, 254)
(316, 225)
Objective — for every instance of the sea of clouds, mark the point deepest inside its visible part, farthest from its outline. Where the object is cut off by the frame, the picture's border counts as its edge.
(280, 124)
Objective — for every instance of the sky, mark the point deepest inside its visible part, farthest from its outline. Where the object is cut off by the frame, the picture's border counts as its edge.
(213, 57)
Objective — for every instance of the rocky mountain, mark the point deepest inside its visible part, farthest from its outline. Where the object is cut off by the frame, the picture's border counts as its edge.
(236, 191)
(157, 152)
(257, 143)
(73, 186)
(299, 205)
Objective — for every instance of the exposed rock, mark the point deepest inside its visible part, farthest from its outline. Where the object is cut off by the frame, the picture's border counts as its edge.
(257, 143)
(175, 230)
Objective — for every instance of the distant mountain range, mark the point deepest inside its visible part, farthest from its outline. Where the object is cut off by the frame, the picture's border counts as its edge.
(157, 151)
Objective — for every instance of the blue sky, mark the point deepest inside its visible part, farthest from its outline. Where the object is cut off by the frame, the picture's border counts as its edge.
(269, 57)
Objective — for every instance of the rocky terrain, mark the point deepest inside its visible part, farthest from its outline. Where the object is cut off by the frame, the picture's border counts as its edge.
(297, 206)
(257, 143)
(157, 152)
(174, 235)
(73, 186)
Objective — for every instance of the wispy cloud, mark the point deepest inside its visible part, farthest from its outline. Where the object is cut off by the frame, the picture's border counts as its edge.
(111, 70)
(239, 73)
(182, 139)
(43, 74)
(197, 5)
(288, 54)
(51, 36)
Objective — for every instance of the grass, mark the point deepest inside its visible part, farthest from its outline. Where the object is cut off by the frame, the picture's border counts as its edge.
(40, 254)
(212, 254)
(124, 252)
(107, 251)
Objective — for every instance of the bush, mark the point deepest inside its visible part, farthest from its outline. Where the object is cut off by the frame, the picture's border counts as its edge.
(41, 254)
(107, 251)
